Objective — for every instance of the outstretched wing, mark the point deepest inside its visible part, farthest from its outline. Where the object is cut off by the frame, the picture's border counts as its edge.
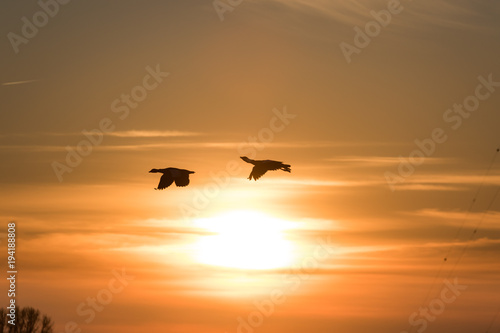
(165, 181)
(257, 172)
(182, 179)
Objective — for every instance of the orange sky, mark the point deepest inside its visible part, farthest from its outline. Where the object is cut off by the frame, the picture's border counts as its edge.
(389, 145)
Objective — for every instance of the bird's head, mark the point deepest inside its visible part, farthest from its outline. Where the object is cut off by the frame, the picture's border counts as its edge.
(244, 158)
(154, 170)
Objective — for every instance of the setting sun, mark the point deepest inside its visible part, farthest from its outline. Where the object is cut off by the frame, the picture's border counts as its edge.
(245, 240)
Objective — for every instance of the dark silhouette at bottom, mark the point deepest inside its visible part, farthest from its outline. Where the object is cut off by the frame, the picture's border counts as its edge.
(25, 320)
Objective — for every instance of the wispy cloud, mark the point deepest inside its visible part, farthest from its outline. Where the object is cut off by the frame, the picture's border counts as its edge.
(122, 134)
(459, 15)
(151, 134)
(430, 187)
(480, 243)
(195, 144)
(490, 219)
(13, 83)
(457, 179)
(322, 183)
(373, 161)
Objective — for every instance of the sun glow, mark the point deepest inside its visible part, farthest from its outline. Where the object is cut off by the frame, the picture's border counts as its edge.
(245, 240)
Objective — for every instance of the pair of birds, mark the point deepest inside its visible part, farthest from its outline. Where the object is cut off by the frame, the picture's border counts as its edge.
(181, 176)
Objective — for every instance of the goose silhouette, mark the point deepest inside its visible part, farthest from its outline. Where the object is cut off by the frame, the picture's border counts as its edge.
(261, 167)
(180, 176)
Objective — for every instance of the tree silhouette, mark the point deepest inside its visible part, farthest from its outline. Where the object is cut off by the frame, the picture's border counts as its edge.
(28, 320)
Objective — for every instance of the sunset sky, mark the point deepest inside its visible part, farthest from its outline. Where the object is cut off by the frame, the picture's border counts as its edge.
(388, 113)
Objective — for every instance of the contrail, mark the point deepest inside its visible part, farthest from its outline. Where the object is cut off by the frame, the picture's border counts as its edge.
(18, 82)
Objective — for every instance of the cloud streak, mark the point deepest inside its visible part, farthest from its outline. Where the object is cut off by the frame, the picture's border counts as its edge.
(186, 145)
(490, 219)
(376, 161)
(15, 83)
(121, 134)
(151, 134)
(464, 15)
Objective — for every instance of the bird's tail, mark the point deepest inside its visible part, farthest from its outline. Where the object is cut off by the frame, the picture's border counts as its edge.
(286, 167)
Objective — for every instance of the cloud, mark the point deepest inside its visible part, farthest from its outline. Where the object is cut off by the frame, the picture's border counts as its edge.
(121, 134)
(13, 83)
(348, 12)
(457, 179)
(151, 134)
(463, 15)
(374, 161)
(322, 183)
(477, 243)
(425, 20)
(447, 181)
(451, 14)
(181, 145)
(430, 182)
(489, 220)
(430, 187)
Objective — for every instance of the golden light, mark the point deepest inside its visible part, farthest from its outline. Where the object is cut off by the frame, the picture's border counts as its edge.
(245, 240)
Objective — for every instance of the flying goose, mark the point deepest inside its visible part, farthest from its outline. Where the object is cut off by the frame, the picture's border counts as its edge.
(180, 176)
(261, 167)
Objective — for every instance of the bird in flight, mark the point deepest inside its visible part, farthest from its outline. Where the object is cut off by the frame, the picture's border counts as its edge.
(261, 167)
(180, 176)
